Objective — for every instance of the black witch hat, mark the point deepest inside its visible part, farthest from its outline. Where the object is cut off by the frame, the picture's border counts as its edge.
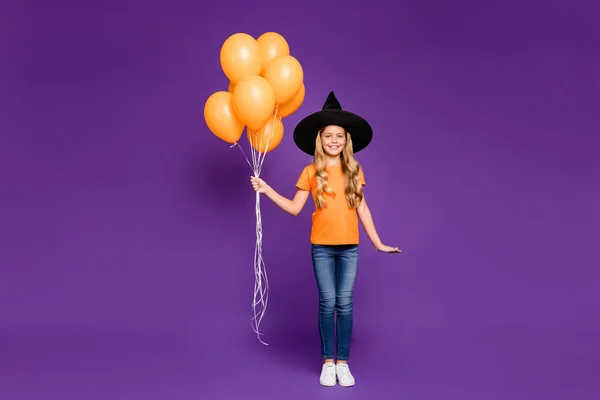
(306, 131)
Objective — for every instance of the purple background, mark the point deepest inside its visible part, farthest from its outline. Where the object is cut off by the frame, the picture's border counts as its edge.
(127, 228)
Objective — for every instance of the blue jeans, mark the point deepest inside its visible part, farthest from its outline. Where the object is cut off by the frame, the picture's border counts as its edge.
(335, 269)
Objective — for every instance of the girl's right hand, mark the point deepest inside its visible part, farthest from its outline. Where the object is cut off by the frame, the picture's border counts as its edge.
(259, 185)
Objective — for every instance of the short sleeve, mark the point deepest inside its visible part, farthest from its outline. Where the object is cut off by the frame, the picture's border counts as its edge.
(303, 182)
(361, 177)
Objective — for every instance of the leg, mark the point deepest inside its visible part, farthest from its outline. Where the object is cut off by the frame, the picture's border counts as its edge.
(324, 270)
(346, 267)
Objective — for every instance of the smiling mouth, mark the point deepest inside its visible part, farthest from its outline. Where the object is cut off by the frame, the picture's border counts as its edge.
(333, 147)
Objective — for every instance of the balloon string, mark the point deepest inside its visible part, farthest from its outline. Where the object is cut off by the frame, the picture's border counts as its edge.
(261, 294)
(261, 282)
(242, 150)
(269, 136)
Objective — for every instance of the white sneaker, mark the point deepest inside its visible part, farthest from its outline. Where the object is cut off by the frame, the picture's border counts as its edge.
(343, 375)
(328, 374)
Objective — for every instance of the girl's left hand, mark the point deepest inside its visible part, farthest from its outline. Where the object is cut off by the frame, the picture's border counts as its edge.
(388, 249)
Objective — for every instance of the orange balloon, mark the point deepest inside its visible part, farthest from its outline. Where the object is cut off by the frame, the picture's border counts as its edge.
(268, 137)
(290, 107)
(220, 117)
(253, 101)
(272, 45)
(240, 57)
(230, 87)
(285, 75)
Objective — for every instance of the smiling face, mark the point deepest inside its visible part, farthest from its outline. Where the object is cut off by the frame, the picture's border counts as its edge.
(333, 140)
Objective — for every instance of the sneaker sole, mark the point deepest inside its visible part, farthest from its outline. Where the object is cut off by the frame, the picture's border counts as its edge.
(327, 385)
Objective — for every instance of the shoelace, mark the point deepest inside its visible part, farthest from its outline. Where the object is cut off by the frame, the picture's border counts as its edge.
(329, 369)
(343, 370)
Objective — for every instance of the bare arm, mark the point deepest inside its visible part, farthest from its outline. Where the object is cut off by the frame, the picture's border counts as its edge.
(293, 206)
(367, 221)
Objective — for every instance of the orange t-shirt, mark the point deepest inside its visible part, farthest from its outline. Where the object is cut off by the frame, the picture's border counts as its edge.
(336, 222)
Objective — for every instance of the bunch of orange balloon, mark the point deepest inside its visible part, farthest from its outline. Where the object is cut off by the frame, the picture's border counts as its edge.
(266, 84)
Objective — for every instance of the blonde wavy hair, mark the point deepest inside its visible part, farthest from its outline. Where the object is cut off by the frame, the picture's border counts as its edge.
(350, 167)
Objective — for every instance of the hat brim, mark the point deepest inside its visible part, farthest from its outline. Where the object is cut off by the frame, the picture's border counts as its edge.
(307, 129)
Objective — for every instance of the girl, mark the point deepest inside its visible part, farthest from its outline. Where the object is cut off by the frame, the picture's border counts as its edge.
(335, 180)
